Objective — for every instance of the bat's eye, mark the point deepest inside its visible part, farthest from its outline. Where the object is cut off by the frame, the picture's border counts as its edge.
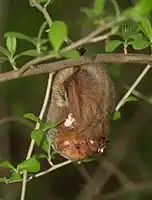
(77, 146)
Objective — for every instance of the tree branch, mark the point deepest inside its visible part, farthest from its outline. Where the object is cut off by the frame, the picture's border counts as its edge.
(42, 10)
(55, 66)
(74, 45)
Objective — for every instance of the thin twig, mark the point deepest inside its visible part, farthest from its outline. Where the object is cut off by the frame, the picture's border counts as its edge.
(36, 127)
(116, 7)
(42, 10)
(134, 85)
(139, 95)
(16, 119)
(55, 167)
(105, 36)
(99, 30)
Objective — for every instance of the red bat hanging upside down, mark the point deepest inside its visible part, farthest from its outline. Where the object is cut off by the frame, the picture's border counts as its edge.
(82, 101)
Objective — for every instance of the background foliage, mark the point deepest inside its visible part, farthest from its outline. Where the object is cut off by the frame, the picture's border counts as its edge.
(130, 136)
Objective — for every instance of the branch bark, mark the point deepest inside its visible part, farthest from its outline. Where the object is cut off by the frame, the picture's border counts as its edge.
(55, 66)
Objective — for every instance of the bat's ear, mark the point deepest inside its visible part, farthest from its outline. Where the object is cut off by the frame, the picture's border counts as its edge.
(74, 101)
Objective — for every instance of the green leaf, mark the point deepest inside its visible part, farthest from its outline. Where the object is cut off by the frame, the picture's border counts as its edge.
(32, 117)
(142, 8)
(99, 6)
(31, 52)
(15, 176)
(11, 44)
(7, 164)
(57, 34)
(3, 180)
(30, 165)
(88, 12)
(136, 36)
(48, 125)
(39, 156)
(20, 36)
(42, 1)
(44, 48)
(73, 54)
(116, 115)
(3, 59)
(111, 45)
(128, 30)
(87, 160)
(131, 98)
(43, 41)
(146, 27)
(39, 137)
(140, 43)
(4, 52)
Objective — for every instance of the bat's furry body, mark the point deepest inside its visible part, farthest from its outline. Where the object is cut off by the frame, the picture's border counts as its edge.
(82, 101)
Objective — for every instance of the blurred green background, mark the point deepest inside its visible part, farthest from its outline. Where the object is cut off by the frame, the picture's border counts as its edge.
(128, 156)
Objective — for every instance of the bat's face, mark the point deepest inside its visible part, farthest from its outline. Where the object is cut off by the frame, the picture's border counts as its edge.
(72, 146)
(75, 145)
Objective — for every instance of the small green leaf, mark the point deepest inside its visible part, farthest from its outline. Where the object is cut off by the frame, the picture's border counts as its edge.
(131, 98)
(146, 27)
(142, 8)
(15, 176)
(99, 6)
(39, 156)
(116, 115)
(31, 52)
(87, 160)
(57, 34)
(7, 164)
(111, 45)
(88, 12)
(11, 44)
(30, 165)
(140, 43)
(73, 54)
(4, 52)
(48, 125)
(3, 180)
(32, 117)
(136, 36)
(39, 137)
(128, 30)
(43, 41)
(44, 48)
(42, 1)
(20, 36)
(3, 59)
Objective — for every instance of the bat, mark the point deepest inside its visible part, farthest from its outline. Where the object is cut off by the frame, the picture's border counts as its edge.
(82, 101)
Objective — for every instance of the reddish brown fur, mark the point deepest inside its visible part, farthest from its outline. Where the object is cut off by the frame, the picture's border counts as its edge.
(89, 96)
